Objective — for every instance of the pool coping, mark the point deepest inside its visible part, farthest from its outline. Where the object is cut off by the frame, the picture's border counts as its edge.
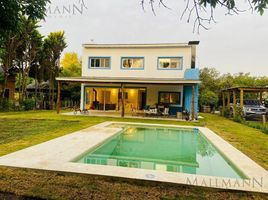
(57, 154)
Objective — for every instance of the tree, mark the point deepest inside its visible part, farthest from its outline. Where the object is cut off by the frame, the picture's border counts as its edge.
(11, 10)
(209, 77)
(212, 82)
(8, 57)
(54, 45)
(11, 13)
(209, 98)
(27, 52)
(202, 11)
(71, 65)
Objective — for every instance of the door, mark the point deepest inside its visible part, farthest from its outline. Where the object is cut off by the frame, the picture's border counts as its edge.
(143, 100)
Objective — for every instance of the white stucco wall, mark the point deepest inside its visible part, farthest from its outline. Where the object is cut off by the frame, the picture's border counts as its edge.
(153, 91)
(150, 61)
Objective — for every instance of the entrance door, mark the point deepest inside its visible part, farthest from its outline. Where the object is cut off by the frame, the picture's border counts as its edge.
(143, 100)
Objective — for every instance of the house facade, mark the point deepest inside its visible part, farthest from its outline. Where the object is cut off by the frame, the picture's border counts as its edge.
(142, 75)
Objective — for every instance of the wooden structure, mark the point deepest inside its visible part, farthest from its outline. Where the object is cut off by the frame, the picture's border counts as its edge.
(239, 92)
(10, 87)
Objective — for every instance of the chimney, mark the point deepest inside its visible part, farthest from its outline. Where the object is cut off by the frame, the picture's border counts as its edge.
(193, 45)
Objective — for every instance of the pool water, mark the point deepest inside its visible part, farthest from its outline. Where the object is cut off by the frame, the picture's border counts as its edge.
(161, 148)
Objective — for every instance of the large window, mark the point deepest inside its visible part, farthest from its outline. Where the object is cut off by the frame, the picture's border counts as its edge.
(132, 63)
(99, 62)
(170, 63)
(169, 97)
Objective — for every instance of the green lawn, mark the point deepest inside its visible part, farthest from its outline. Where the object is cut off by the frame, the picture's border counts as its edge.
(20, 130)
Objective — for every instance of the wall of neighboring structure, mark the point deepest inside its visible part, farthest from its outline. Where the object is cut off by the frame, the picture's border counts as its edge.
(153, 92)
(11, 87)
(150, 61)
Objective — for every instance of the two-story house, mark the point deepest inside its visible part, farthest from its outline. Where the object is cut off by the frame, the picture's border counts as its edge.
(123, 77)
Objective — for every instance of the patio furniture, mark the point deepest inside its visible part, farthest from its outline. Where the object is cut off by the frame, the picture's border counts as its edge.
(166, 112)
(186, 115)
(85, 111)
(146, 110)
(154, 112)
(76, 109)
(179, 115)
(161, 109)
(133, 111)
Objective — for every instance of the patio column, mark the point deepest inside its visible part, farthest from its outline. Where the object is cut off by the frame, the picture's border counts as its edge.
(234, 103)
(58, 98)
(241, 98)
(122, 101)
(223, 103)
(104, 99)
(193, 111)
(228, 101)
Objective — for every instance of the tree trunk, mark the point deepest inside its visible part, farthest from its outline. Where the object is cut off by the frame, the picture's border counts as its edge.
(20, 101)
(5, 84)
(35, 89)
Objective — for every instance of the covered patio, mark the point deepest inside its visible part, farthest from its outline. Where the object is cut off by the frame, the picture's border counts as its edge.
(122, 89)
(235, 93)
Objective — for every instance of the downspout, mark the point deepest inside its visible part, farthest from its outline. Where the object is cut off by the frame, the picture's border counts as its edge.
(193, 45)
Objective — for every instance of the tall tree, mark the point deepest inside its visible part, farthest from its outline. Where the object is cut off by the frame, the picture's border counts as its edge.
(71, 65)
(8, 57)
(10, 25)
(31, 43)
(11, 10)
(54, 45)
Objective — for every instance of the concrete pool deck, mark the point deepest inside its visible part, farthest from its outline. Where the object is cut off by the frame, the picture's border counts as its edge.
(57, 154)
(116, 114)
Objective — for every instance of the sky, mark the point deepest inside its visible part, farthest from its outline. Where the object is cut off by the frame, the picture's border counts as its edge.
(235, 43)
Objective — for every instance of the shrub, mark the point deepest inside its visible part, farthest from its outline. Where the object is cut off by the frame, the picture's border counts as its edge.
(208, 98)
(6, 105)
(28, 104)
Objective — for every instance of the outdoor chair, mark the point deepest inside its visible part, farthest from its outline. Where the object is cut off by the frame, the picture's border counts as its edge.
(166, 112)
(154, 112)
(133, 111)
(147, 110)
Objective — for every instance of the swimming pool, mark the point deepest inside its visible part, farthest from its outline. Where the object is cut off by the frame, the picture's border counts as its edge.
(184, 150)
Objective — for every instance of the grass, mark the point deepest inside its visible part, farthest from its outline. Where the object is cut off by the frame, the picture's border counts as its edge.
(21, 130)
(258, 125)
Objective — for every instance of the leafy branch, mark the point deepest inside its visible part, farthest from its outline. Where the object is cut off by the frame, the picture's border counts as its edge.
(201, 12)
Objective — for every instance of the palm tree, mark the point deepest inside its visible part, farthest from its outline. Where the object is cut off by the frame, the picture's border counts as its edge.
(54, 45)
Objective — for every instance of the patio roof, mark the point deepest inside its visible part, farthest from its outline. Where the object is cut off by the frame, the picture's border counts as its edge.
(247, 89)
(126, 80)
(152, 45)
